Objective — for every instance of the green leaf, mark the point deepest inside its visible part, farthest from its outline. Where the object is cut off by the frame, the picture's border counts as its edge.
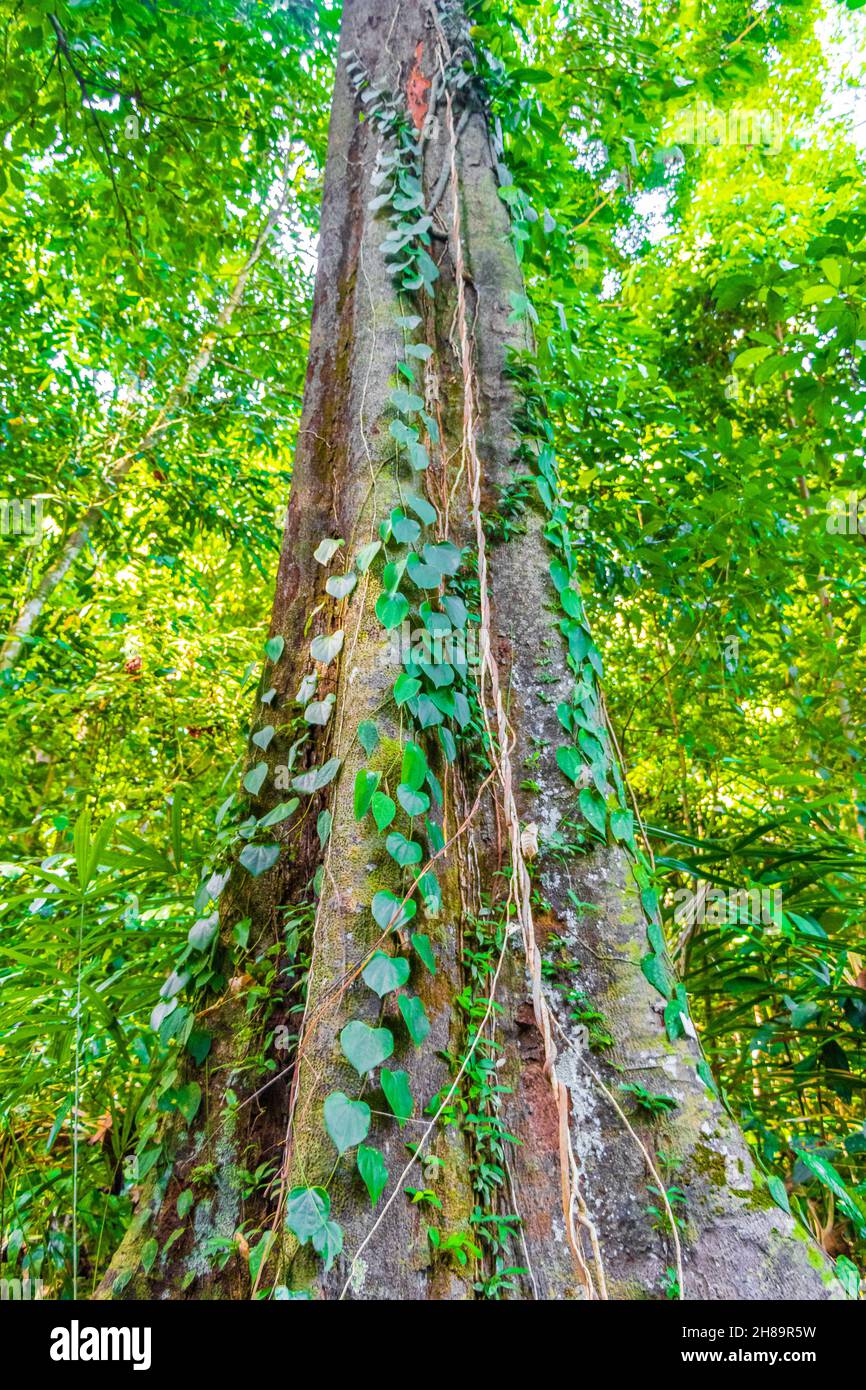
(423, 576)
(424, 948)
(318, 712)
(326, 550)
(262, 737)
(413, 803)
(366, 555)
(317, 777)
(202, 932)
(657, 971)
(257, 859)
(414, 768)
(341, 585)
(778, 1192)
(428, 887)
(385, 973)
(415, 1017)
(374, 1173)
(406, 687)
(308, 1211)
(384, 810)
(569, 761)
(323, 827)
(368, 736)
(255, 777)
(384, 907)
(347, 1121)
(391, 609)
(274, 648)
(186, 1099)
(593, 809)
(395, 1085)
(365, 785)
(444, 558)
(622, 826)
(425, 513)
(405, 401)
(402, 850)
(364, 1047)
(404, 530)
(326, 647)
(279, 813)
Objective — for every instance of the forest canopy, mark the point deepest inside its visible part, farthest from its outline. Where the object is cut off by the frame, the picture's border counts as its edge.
(685, 187)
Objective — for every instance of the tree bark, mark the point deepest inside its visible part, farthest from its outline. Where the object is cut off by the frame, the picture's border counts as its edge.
(558, 1095)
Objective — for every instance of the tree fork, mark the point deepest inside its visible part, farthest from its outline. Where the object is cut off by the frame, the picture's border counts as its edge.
(735, 1242)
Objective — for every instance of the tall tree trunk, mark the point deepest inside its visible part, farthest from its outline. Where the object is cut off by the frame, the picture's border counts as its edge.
(525, 1148)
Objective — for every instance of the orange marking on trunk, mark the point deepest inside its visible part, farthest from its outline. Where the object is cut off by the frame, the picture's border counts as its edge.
(416, 91)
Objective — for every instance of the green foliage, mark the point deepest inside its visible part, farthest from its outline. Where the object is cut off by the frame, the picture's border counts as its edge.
(699, 324)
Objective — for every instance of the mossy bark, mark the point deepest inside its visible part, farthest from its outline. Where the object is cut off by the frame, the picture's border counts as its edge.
(735, 1244)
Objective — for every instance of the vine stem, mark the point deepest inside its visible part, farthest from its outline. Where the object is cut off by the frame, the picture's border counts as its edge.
(572, 1198)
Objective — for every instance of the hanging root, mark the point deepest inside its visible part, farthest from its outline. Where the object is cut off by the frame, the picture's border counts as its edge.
(573, 1206)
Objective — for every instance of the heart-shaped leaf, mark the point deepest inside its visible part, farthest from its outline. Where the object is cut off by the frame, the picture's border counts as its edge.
(385, 973)
(368, 736)
(202, 932)
(319, 711)
(405, 401)
(403, 433)
(406, 687)
(391, 609)
(317, 777)
(257, 859)
(389, 914)
(323, 827)
(384, 810)
(444, 557)
(374, 1174)
(423, 576)
(326, 550)
(569, 761)
(456, 610)
(395, 1085)
(262, 737)
(307, 1216)
(364, 1047)
(255, 777)
(274, 648)
(413, 803)
(403, 528)
(341, 585)
(307, 1210)
(326, 647)
(428, 886)
(415, 1018)
(347, 1121)
(593, 808)
(402, 850)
